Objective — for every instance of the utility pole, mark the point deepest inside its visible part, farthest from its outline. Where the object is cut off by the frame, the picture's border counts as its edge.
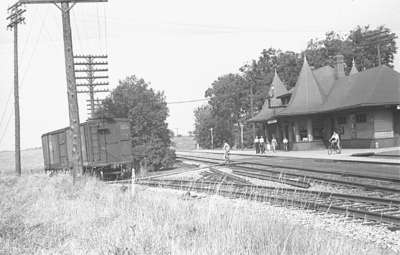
(241, 135)
(16, 18)
(212, 139)
(91, 62)
(252, 106)
(63, 5)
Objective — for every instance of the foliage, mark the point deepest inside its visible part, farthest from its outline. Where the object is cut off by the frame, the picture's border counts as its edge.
(360, 44)
(203, 122)
(365, 41)
(147, 112)
(229, 106)
(229, 95)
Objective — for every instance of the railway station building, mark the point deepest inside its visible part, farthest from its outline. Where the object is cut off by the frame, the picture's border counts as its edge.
(364, 107)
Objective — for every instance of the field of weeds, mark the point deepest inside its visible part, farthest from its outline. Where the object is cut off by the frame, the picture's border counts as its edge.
(43, 215)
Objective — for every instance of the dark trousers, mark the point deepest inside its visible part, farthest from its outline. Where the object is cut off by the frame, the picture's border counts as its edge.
(262, 148)
(257, 148)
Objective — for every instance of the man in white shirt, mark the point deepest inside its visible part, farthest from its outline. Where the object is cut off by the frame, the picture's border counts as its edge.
(285, 143)
(227, 149)
(274, 144)
(335, 140)
(257, 144)
(262, 144)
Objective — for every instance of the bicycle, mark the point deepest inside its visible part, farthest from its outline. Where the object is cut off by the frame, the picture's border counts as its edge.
(227, 158)
(334, 148)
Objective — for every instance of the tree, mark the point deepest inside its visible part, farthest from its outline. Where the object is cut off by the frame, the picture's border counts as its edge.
(361, 44)
(203, 122)
(229, 102)
(147, 112)
(365, 43)
(229, 95)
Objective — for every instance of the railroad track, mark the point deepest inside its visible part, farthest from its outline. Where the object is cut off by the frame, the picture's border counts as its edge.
(369, 209)
(303, 178)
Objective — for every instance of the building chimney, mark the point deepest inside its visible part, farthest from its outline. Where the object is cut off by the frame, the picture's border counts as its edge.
(339, 66)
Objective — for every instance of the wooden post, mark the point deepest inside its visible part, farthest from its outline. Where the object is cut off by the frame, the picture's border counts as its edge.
(70, 75)
(71, 91)
(16, 18)
(91, 75)
(16, 106)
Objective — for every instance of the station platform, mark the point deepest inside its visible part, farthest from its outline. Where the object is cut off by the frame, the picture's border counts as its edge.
(378, 156)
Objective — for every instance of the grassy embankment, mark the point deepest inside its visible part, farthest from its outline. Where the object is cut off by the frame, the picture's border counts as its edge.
(31, 160)
(49, 216)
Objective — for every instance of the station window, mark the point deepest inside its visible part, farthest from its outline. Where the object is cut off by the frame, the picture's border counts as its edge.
(341, 120)
(361, 118)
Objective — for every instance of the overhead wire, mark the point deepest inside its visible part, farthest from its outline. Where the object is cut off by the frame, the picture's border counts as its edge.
(22, 57)
(105, 28)
(98, 24)
(74, 22)
(23, 76)
(188, 101)
(6, 127)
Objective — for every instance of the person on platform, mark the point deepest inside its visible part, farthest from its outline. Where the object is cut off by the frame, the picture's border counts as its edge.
(285, 143)
(267, 145)
(335, 140)
(226, 148)
(274, 144)
(257, 145)
(262, 144)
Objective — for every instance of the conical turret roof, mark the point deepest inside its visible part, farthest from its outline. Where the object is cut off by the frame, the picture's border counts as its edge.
(277, 88)
(307, 96)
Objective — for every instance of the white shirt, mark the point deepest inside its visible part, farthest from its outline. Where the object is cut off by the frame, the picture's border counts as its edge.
(261, 140)
(256, 140)
(227, 148)
(285, 140)
(335, 137)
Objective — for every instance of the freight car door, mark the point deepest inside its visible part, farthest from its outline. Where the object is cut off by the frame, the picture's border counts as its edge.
(125, 141)
(62, 141)
(45, 148)
(96, 155)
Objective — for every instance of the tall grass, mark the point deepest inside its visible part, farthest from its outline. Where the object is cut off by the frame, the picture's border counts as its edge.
(43, 215)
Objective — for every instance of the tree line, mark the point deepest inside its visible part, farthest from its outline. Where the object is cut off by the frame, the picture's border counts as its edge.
(229, 95)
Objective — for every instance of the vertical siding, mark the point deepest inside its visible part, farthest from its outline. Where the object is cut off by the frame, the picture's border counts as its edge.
(365, 130)
(396, 122)
(383, 123)
(68, 135)
(45, 149)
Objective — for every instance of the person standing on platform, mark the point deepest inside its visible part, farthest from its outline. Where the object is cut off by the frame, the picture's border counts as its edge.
(257, 145)
(285, 143)
(262, 144)
(274, 144)
(227, 149)
(268, 145)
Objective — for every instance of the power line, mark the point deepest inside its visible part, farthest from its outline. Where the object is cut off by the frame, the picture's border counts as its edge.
(188, 101)
(105, 27)
(6, 127)
(23, 76)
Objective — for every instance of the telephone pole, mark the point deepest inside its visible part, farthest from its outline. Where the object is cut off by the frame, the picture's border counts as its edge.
(16, 18)
(91, 65)
(65, 8)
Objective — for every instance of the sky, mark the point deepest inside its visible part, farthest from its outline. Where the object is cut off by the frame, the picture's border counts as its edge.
(178, 46)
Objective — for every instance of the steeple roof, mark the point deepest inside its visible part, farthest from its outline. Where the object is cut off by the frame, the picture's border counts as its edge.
(353, 68)
(279, 87)
(307, 95)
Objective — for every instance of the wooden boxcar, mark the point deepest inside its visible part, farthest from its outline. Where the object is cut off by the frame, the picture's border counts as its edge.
(106, 148)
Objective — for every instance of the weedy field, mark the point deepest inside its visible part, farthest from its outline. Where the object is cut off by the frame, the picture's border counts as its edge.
(31, 160)
(47, 215)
